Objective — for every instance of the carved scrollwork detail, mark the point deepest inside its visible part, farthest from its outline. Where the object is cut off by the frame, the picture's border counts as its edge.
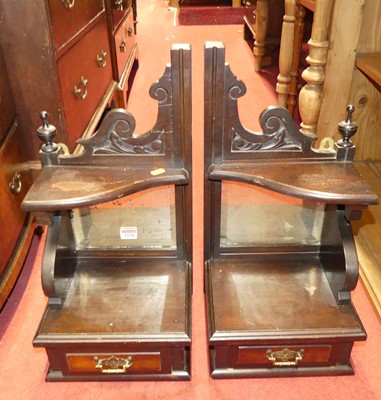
(274, 137)
(161, 90)
(237, 91)
(116, 137)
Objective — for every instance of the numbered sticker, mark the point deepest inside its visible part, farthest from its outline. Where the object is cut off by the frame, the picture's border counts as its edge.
(128, 232)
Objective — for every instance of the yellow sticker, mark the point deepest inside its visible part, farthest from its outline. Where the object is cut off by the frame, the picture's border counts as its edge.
(157, 171)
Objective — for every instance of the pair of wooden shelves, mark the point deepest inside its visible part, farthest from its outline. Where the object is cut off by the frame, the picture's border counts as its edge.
(280, 260)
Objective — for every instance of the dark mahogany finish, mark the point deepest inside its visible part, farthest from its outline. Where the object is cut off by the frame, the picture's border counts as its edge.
(277, 306)
(15, 179)
(119, 311)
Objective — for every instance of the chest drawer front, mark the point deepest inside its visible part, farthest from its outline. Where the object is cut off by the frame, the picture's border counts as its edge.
(118, 10)
(11, 217)
(283, 356)
(70, 16)
(85, 74)
(124, 42)
(114, 363)
(7, 105)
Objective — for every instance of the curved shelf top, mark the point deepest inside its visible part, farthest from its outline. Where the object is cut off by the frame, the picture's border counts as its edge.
(328, 182)
(67, 187)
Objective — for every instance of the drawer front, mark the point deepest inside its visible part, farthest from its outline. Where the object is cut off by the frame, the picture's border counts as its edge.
(85, 74)
(283, 356)
(70, 16)
(118, 10)
(15, 181)
(7, 105)
(114, 363)
(124, 42)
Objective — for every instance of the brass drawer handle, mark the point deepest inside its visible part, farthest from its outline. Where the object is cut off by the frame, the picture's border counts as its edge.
(285, 357)
(68, 3)
(122, 46)
(78, 90)
(114, 365)
(15, 184)
(129, 31)
(119, 5)
(101, 59)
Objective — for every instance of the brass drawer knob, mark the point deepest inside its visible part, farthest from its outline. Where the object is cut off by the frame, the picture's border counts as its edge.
(15, 184)
(129, 31)
(80, 91)
(122, 46)
(119, 5)
(285, 357)
(114, 365)
(68, 3)
(101, 59)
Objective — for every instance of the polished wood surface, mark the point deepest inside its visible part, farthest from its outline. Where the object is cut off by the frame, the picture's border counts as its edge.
(370, 65)
(109, 297)
(328, 182)
(8, 108)
(62, 45)
(89, 77)
(119, 297)
(62, 188)
(246, 298)
(367, 236)
(277, 307)
(68, 22)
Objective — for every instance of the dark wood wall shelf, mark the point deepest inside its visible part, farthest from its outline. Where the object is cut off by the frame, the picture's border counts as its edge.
(280, 257)
(117, 264)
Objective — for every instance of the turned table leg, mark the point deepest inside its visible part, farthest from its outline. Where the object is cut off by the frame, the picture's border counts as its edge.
(310, 97)
(294, 73)
(262, 16)
(285, 52)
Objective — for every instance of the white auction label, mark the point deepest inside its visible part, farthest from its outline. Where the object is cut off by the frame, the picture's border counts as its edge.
(128, 232)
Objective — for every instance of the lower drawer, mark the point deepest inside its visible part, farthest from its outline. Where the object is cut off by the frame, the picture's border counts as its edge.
(283, 356)
(114, 363)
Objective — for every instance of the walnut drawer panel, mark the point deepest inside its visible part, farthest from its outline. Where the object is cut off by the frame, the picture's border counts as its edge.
(7, 105)
(124, 41)
(85, 73)
(283, 356)
(11, 216)
(114, 363)
(68, 17)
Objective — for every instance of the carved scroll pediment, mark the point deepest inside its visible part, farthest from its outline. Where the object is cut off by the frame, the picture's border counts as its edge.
(116, 138)
(279, 135)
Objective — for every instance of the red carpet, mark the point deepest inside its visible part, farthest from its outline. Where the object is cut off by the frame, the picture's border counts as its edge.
(210, 15)
(23, 367)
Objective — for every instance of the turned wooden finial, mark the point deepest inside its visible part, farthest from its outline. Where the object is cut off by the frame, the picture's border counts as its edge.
(347, 128)
(46, 133)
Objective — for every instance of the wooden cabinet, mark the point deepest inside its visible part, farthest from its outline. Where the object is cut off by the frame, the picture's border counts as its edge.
(117, 265)
(280, 257)
(15, 179)
(122, 19)
(61, 61)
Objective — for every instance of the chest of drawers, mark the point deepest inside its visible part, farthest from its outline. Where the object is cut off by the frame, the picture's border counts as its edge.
(14, 183)
(62, 62)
